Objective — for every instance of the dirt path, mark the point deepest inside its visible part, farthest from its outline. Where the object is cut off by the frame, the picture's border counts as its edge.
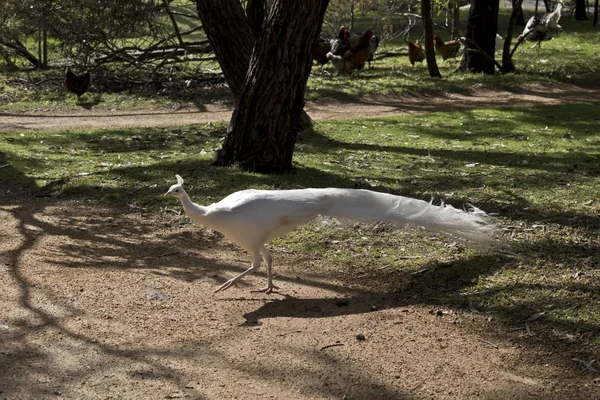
(100, 304)
(373, 107)
(97, 304)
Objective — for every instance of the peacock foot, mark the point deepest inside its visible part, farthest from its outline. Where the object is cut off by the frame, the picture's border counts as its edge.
(266, 290)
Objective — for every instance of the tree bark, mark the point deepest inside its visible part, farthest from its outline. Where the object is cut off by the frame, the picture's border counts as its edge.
(481, 36)
(595, 13)
(432, 66)
(267, 75)
(267, 118)
(255, 10)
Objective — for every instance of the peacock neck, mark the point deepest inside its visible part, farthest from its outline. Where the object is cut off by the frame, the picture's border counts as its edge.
(192, 208)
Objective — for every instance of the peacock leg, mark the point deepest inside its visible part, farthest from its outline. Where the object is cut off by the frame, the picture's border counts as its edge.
(269, 260)
(255, 264)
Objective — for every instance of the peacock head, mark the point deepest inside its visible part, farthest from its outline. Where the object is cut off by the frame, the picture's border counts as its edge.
(177, 189)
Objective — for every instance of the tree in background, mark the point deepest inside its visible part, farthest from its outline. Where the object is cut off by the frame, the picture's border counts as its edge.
(581, 10)
(517, 7)
(90, 32)
(482, 27)
(18, 20)
(432, 66)
(507, 63)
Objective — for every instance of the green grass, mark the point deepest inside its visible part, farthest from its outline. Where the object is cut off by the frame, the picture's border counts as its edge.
(535, 168)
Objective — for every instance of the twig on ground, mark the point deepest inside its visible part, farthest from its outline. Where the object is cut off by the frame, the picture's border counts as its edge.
(587, 365)
(331, 345)
(490, 343)
(529, 333)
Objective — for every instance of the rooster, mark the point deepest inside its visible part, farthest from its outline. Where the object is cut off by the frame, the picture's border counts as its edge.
(544, 27)
(348, 41)
(446, 49)
(415, 53)
(78, 84)
(356, 56)
(339, 46)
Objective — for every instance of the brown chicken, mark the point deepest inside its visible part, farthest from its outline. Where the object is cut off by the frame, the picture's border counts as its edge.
(78, 84)
(356, 56)
(415, 53)
(446, 49)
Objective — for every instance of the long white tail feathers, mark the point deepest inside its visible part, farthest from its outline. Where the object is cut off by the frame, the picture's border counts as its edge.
(473, 225)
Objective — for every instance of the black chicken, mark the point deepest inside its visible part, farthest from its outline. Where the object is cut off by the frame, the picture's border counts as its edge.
(322, 47)
(78, 84)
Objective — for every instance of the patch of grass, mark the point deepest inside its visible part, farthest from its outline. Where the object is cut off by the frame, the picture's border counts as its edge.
(536, 168)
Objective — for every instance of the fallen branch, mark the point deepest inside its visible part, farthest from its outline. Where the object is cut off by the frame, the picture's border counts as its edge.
(388, 54)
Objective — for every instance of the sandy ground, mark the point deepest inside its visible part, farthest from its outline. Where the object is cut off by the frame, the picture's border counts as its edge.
(103, 303)
(100, 304)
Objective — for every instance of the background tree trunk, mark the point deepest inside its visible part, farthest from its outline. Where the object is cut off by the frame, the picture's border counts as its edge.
(581, 10)
(432, 66)
(455, 18)
(507, 63)
(255, 10)
(481, 36)
(231, 37)
(270, 101)
(519, 9)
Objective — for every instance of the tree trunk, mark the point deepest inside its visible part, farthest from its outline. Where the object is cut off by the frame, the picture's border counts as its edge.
(45, 47)
(267, 75)
(255, 10)
(581, 10)
(231, 37)
(267, 118)
(455, 18)
(432, 66)
(481, 37)
(547, 5)
(520, 21)
(507, 63)
(595, 13)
